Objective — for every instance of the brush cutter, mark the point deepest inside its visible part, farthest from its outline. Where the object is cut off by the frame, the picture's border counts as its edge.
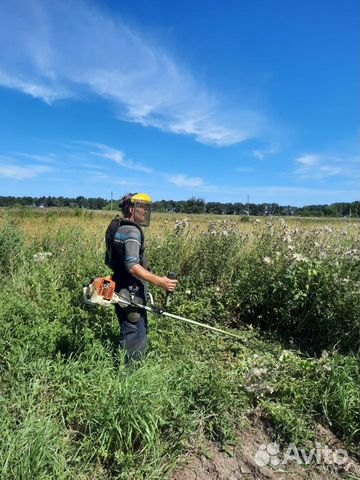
(101, 291)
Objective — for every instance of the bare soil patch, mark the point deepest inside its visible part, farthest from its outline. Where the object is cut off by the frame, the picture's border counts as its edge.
(210, 461)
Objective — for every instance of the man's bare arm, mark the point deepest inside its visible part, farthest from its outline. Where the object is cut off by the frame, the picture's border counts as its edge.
(163, 282)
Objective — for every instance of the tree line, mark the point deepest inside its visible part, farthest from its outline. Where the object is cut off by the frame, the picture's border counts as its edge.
(78, 202)
(193, 205)
(198, 205)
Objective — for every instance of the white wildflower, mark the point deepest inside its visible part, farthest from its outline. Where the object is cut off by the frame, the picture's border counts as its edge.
(259, 372)
(41, 256)
(284, 354)
(180, 225)
(267, 260)
(250, 388)
(352, 253)
(299, 258)
(212, 228)
(188, 292)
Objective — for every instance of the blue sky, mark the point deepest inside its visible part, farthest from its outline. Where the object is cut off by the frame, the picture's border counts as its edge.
(177, 99)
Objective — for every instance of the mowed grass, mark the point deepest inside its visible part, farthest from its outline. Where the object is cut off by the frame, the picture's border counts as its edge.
(70, 409)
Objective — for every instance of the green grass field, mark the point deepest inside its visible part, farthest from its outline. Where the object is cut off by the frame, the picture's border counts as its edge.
(70, 409)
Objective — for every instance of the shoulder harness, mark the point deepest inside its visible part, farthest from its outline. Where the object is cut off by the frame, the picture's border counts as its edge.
(115, 224)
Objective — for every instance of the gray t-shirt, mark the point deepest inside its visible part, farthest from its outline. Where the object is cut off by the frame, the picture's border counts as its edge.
(127, 241)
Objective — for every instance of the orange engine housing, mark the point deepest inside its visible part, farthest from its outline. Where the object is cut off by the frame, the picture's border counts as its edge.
(105, 287)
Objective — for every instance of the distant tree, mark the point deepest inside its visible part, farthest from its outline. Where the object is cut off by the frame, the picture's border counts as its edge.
(213, 207)
(193, 205)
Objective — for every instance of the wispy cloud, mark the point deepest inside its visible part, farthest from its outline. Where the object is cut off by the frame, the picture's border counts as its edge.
(119, 157)
(182, 180)
(33, 87)
(266, 152)
(135, 183)
(63, 49)
(82, 173)
(308, 160)
(322, 166)
(17, 172)
(96, 162)
(50, 158)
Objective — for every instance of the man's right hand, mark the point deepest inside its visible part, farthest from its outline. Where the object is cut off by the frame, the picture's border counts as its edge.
(167, 284)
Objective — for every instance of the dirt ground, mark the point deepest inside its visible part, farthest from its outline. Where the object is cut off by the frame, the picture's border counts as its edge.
(250, 458)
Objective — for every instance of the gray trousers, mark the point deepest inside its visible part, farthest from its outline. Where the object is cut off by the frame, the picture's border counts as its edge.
(133, 336)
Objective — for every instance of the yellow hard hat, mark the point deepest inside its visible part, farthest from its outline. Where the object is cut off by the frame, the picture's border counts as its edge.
(141, 197)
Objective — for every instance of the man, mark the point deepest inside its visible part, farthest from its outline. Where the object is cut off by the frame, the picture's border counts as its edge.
(125, 255)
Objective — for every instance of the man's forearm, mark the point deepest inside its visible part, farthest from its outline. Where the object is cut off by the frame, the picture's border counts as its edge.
(140, 272)
(166, 283)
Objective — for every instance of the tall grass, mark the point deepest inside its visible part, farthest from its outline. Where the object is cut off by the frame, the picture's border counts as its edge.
(303, 283)
(69, 408)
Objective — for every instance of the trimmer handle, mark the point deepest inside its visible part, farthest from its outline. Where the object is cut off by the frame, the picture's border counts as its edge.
(172, 276)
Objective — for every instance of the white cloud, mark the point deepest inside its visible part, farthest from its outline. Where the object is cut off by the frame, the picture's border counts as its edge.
(130, 183)
(118, 157)
(182, 180)
(50, 158)
(261, 154)
(330, 171)
(63, 49)
(35, 88)
(16, 172)
(325, 165)
(308, 160)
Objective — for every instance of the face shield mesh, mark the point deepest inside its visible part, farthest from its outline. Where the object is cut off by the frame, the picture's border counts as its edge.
(142, 212)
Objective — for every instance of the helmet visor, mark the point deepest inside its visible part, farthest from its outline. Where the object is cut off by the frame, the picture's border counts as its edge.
(142, 212)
